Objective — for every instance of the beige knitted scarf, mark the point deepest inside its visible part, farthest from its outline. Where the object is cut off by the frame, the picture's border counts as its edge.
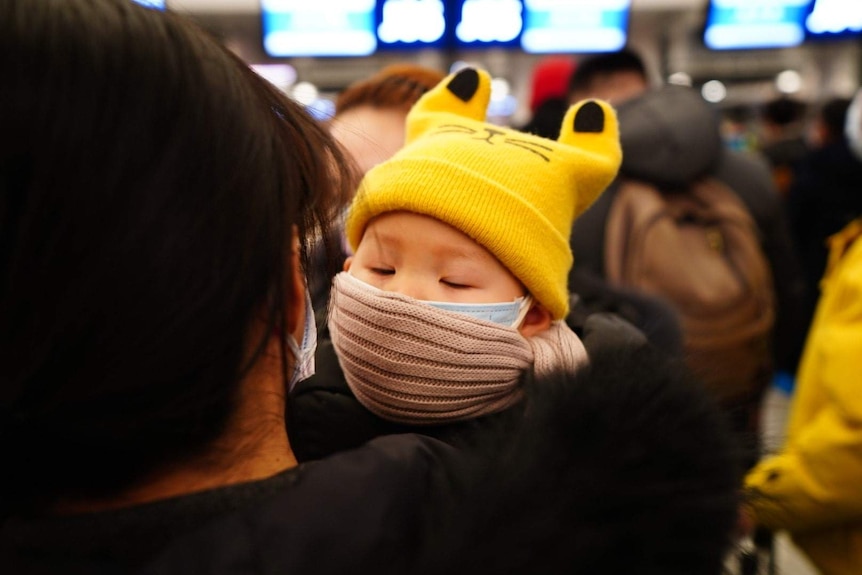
(409, 362)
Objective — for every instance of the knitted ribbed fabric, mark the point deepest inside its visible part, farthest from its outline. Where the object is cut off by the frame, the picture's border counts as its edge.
(409, 362)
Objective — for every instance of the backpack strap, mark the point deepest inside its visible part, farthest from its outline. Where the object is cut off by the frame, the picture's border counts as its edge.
(634, 203)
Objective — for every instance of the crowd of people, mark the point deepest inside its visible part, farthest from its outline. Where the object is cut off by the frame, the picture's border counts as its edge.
(236, 339)
(809, 487)
(801, 188)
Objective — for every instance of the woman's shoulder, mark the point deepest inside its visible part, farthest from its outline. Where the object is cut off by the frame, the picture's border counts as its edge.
(358, 510)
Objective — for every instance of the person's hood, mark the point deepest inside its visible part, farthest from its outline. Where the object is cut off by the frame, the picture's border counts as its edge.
(669, 135)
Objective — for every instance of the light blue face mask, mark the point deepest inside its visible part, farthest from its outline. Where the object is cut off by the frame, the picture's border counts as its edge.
(506, 313)
(304, 354)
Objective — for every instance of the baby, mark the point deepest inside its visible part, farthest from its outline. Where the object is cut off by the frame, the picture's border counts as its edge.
(457, 285)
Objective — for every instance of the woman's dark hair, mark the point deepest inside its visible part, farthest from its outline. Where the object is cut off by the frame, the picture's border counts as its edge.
(149, 186)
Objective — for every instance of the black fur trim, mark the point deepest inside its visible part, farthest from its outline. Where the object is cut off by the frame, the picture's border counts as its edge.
(627, 467)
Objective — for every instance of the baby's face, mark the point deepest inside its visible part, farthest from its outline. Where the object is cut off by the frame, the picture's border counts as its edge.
(424, 258)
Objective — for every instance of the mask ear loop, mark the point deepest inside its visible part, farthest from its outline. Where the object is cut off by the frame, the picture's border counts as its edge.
(526, 305)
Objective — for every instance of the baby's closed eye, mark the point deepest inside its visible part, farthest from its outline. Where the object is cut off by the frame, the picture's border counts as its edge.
(382, 271)
(456, 284)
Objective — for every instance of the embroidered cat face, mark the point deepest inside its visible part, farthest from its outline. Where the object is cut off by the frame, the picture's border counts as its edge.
(494, 136)
(515, 194)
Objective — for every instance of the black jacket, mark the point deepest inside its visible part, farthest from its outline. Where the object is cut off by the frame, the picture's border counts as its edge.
(361, 509)
(825, 197)
(626, 467)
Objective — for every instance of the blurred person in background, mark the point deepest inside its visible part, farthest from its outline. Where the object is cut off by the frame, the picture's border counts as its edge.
(548, 101)
(736, 128)
(811, 486)
(370, 114)
(614, 77)
(671, 144)
(782, 139)
(824, 196)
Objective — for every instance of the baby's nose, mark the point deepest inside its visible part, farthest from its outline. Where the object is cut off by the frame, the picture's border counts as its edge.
(409, 286)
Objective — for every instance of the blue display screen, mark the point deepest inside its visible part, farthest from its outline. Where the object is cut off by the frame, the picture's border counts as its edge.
(362, 27)
(834, 19)
(553, 26)
(157, 4)
(319, 28)
(751, 24)
(484, 23)
(412, 24)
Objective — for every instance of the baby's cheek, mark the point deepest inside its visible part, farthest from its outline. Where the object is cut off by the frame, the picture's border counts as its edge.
(364, 275)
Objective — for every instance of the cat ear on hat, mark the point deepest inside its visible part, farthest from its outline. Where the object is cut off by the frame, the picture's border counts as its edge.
(591, 126)
(465, 93)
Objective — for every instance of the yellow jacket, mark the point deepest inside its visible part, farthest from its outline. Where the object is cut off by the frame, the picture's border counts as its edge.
(813, 487)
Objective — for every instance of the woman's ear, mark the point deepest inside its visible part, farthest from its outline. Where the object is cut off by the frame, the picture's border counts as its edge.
(296, 297)
(537, 320)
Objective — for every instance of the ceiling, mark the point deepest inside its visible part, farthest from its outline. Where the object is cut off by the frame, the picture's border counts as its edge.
(253, 6)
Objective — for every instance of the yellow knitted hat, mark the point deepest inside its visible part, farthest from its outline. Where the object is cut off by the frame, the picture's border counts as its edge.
(515, 194)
